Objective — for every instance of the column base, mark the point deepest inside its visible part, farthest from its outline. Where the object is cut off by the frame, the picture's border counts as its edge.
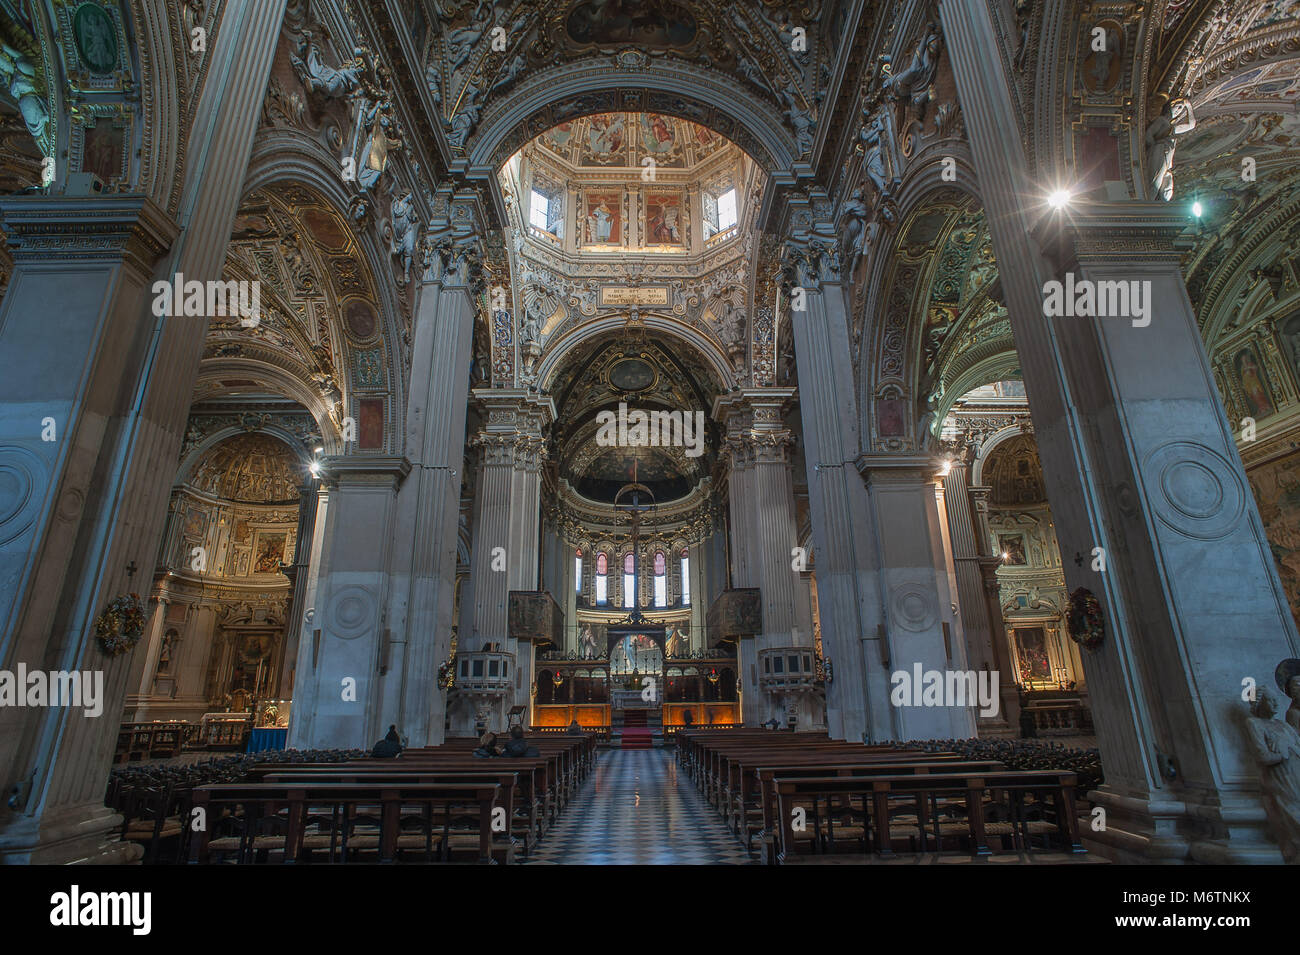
(78, 835)
(1144, 831)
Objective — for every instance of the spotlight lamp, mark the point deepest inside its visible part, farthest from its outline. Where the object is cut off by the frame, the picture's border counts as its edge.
(1059, 199)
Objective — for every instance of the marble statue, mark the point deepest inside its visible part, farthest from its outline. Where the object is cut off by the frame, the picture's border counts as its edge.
(381, 123)
(531, 325)
(463, 123)
(405, 232)
(18, 75)
(872, 139)
(854, 212)
(1276, 747)
(801, 120)
(319, 77)
(1173, 121)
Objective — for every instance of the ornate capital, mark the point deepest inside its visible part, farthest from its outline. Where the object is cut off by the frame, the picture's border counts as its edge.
(452, 260)
(755, 420)
(515, 426)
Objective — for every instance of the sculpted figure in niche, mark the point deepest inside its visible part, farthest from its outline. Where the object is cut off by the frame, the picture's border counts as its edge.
(854, 213)
(404, 232)
(1174, 120)
(1276, 747)
(871, 138)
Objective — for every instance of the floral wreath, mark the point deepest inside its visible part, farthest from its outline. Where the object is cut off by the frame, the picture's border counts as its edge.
(1083, 620)
(121, 625)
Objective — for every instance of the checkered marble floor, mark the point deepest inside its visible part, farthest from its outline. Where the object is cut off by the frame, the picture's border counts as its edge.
(636, 810)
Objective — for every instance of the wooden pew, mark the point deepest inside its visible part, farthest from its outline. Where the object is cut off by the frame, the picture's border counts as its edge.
(762, 779)
(922, 792)
(516, 788)
(264, 801)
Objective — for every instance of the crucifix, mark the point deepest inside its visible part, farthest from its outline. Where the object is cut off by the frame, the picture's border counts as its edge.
(635, 509)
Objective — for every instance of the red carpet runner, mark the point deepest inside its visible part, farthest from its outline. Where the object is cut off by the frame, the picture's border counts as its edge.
(635, 733)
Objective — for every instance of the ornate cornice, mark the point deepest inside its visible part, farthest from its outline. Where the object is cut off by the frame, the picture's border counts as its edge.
(45, 228)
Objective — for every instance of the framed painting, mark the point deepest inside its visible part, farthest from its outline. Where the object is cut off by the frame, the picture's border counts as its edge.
(1253, 380)
(665, 220)
(602, 218)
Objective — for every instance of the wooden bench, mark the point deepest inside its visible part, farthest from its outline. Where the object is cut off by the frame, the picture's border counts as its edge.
(925, 796)
(516, 788)
(287, 807)
(762, 780)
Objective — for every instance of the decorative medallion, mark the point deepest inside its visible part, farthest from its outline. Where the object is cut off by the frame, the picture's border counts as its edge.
(95, 38)
(360, 320)
(633, 374)
(1195, 490)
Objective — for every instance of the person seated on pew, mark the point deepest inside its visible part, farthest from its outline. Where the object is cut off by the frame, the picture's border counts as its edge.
(517, 746)
(688, 718)
(575, 726)
(390, 747)
(487, 745)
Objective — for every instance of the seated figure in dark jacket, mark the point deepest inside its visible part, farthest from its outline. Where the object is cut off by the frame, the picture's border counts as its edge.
(517, 746)
(487, 745)
(389, 747)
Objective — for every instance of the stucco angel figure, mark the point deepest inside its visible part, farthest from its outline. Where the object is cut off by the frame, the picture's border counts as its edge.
(1276, 747)
(1176, 118)
(913, 81)
(318, 76)
(18, 76)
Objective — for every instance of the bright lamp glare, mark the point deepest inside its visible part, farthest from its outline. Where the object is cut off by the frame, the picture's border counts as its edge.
(1059, 199)
(1197, 209)
(315, 470)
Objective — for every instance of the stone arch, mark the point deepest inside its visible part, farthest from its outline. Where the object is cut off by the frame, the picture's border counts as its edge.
(672, 327)
(890, 348)
(282, 160)
(191, 460)
(581, 89)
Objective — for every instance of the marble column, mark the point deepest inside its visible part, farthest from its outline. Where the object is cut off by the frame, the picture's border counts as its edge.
(917, 609)
(507, 521)
(77, 512)
(986, 641)
(297, 573)
(761, 495)
(857, 701)
(339, 700)
(424, 578)
(1139, 460)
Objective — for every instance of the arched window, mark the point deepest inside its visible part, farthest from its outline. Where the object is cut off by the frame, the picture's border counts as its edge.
(577, 571)
(602, 579)
(661, 580)
(686, 577)
(629, 581)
